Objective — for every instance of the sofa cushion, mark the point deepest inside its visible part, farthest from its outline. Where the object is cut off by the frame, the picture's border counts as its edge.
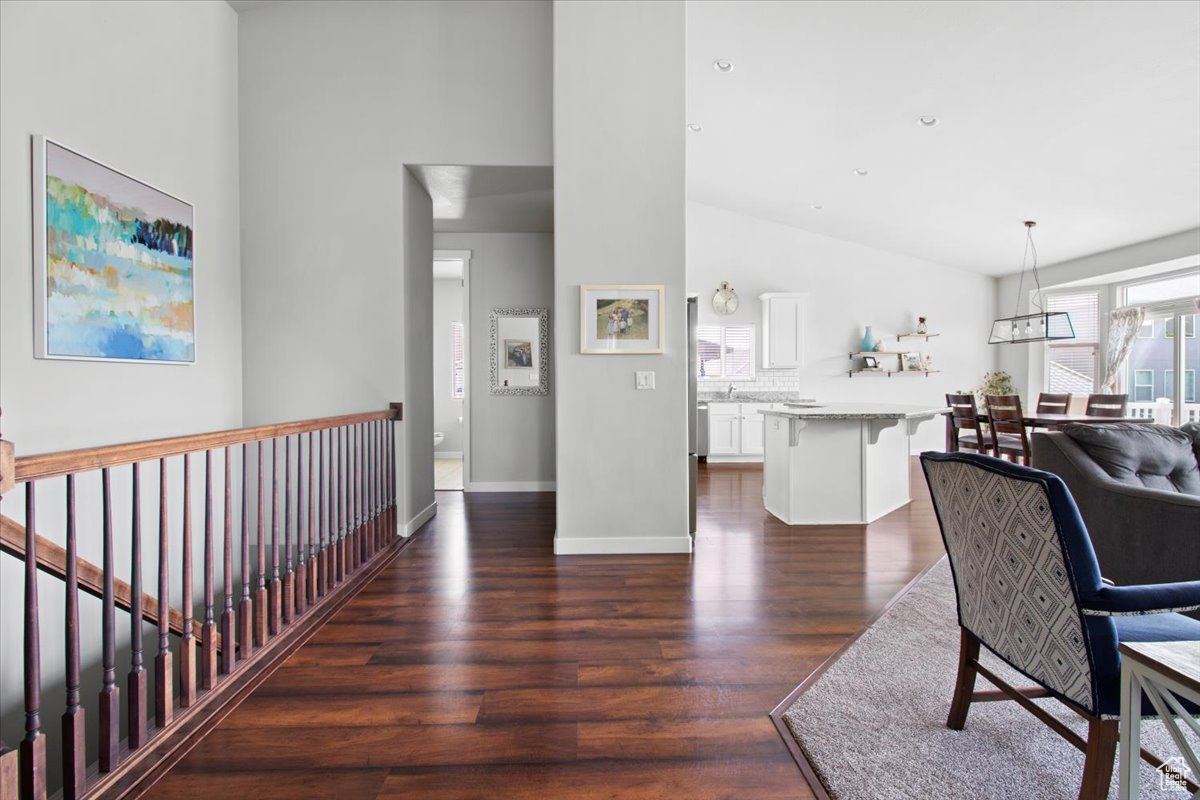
(1192, 429)
(1154, 456)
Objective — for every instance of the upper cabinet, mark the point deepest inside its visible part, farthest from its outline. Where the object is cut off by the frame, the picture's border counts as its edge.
(783, 329)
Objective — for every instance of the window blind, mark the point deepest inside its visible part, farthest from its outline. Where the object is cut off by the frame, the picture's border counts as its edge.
(1071, 363)
(458, 362)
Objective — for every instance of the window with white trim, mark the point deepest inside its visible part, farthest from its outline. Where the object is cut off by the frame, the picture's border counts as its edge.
(458, 362)
(1071, 363)
(725, 352)
(1189, 384)
(1143, 385)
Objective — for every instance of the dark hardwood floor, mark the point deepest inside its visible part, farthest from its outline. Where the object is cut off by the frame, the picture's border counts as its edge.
(480, 665)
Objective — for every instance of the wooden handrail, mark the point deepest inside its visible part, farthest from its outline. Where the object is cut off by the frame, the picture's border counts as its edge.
(348, 462)
(52, 559)
(50, 465)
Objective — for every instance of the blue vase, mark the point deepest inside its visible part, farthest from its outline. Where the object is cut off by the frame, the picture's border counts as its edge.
(868, 342)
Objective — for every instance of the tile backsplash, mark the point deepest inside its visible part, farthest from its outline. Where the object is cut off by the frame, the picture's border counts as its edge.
(765, 380)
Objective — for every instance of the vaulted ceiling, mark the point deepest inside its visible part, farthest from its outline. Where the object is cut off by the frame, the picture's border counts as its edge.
(1084, 116)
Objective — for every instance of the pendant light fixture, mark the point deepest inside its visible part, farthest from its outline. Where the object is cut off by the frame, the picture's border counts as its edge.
(1043, 326)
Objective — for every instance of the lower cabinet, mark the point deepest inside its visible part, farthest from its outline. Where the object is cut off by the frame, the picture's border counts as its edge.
(735, 429)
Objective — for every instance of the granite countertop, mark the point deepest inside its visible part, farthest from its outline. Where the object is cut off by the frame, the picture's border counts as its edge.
(750, 397)
(858, 411)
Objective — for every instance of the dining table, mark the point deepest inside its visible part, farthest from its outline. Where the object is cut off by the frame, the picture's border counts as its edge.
(1049, 421)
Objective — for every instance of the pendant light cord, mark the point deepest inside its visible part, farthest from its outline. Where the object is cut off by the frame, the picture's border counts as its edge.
(1030, 247)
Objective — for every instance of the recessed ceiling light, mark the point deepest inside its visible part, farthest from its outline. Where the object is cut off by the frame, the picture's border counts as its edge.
(816, 207)
(862, 173)
(721, 65)
(694, 128)
(927, 122)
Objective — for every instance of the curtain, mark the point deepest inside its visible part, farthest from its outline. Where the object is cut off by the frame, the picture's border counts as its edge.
(1122, 331)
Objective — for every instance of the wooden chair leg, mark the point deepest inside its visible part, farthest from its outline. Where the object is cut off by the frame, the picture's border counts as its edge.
(1098, 761)
(964, 685)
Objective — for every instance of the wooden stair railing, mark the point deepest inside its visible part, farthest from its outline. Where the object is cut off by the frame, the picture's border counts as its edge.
(333, 513)
(52, 560)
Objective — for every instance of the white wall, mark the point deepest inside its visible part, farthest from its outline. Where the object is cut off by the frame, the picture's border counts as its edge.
(849, 286)
(1026, 363)
(448, 307)
(416, 437)
(619, 218)
(512, 437)
(83, 73)
(336, 97)
(117, 81)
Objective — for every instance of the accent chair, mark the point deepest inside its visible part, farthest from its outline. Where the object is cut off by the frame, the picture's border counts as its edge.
(1029, 589)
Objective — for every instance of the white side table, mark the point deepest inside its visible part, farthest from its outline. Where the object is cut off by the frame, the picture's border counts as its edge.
(1165, 671)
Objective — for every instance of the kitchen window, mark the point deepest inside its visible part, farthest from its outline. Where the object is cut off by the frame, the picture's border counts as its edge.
(725, 352)
(1071, 363)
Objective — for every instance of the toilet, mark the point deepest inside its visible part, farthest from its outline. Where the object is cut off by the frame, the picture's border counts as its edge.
(438, 438)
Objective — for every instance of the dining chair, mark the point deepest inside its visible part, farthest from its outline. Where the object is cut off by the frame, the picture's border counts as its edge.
(1007, 421)
(1107, 405)
(1028, 588)
(1053, 403)
(962, 426)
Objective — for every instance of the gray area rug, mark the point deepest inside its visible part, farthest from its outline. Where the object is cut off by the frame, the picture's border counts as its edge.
(874, 724)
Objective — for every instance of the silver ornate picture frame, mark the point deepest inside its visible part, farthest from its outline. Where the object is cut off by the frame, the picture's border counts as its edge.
(519, 351)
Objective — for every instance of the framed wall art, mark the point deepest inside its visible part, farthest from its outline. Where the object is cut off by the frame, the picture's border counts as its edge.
(113, 263)
(621, 319)
(519, 352)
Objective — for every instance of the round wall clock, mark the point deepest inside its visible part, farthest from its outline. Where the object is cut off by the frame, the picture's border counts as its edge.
(725, 301)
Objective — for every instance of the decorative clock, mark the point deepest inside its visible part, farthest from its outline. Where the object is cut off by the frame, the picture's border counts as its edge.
(725, 301)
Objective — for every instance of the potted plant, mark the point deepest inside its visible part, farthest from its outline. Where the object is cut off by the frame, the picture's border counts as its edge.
(997, 382)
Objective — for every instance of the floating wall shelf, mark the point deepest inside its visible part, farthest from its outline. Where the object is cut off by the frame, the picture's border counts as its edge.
(925, 336)
(891, 372)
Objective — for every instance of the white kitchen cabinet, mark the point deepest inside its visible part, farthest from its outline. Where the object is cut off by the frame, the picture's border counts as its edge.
(736, 429)
(724, 429)
(783, 329)
(752, 428)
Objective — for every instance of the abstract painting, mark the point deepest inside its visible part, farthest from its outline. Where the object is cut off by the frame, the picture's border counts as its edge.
(113, 263)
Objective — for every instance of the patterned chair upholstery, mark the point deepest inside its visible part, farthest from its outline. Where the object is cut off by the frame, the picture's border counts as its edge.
(1029, 589)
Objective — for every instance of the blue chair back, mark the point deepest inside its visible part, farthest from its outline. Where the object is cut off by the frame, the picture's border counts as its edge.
(1021, 559)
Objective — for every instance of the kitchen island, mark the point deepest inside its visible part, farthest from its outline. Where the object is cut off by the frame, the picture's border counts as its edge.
(839, 463)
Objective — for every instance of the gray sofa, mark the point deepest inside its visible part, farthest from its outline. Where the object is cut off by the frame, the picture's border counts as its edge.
(1138, 489)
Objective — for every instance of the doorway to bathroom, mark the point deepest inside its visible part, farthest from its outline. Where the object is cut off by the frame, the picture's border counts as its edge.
(450, 367)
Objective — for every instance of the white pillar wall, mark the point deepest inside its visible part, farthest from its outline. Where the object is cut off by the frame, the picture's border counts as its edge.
(619, 218)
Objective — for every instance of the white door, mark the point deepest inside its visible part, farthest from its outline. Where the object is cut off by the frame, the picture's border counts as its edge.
(752, 429)
(724, 433)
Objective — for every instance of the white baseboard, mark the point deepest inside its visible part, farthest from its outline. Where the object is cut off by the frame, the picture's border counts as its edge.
(420, 519)
(611, 545)
(735, 459)
(510, 486)
(448, 454)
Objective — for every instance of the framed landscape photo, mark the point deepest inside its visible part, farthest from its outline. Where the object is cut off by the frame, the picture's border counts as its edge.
(113, 263)
(621, 319)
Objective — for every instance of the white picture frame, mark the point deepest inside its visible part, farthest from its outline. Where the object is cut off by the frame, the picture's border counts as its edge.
(621, 319)
(53, 337)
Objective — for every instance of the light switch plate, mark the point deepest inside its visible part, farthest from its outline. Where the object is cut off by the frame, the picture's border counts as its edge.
(644, 380)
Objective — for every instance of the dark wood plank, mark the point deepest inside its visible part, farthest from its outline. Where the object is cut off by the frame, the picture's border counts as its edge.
(623, 676)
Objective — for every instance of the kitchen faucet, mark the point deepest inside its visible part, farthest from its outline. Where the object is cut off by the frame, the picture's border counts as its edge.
(730, 392)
